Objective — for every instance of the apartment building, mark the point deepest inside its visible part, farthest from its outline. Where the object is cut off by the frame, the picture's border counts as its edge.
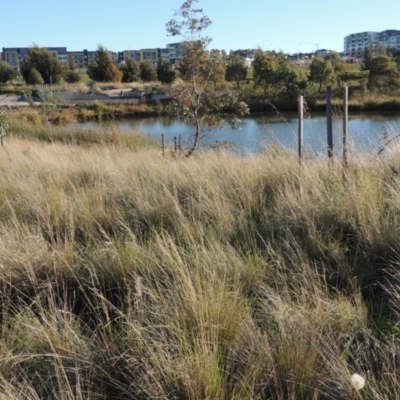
(151, 55)
(355, 44)
(132, 54)
(171, 53)
(16, 55)
(83, 58)
(175, 51)
(390, 39)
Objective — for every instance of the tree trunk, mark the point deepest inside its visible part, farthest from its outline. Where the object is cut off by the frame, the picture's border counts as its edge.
(196, 139)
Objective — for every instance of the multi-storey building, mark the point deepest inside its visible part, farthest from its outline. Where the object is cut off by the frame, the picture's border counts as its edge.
(355, 44)
(78, 58)
(16, 55)
(132, 54)
(82, 59)
(151, 55)
(390, 39)
(171, 53)
(175, 51)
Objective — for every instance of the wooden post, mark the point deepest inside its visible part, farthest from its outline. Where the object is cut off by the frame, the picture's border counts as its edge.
(180, 144)
(175, 146)
(163, 144)
(301, 116)
(329, 130)
(345, 124)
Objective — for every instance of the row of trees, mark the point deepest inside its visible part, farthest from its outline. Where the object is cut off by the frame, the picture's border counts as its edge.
(41, 66)
(274, 73)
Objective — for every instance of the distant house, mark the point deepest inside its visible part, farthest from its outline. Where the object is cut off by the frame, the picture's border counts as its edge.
(322, 52)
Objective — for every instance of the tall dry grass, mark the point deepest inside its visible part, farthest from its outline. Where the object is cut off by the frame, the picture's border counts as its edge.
(135, 276)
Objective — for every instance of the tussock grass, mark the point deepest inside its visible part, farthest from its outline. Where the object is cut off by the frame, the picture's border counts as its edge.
(128, 275)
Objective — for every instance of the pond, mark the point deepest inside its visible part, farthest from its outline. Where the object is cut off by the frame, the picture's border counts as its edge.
(366, 131)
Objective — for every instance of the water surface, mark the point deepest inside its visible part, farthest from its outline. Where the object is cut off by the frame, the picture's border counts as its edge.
(366, 131)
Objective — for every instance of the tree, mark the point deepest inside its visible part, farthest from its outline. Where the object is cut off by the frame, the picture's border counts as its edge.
(337, 63)
(33, 77)
(383, 74)
(195, 103)
(396, 58)
(166, 73)
(217, 65)
(103, 68)
(236, 71)
(291, 81)
(130, 71)
(269, 70)
(39, 61)
(379, 50)
(147, 71)
(321, 72)
(367, 58)
(71, 75)
(264, 68)
(7, 72)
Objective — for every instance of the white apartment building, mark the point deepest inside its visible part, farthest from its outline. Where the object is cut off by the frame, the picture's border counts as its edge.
(390, 39)
(355, 44)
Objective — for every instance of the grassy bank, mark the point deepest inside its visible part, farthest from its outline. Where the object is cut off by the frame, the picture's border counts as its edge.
(132, 276)
(31, 125)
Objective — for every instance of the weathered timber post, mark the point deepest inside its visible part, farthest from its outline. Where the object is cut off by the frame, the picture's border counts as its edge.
(163, 144)
(175, 145)
(300, 114)
(345, 124)
(329, 130)
(180, 144)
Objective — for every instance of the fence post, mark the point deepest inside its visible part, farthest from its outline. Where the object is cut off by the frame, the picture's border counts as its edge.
(345, 124)
(180, 144)
(175, 146)
(329, 122)
(163, 144)
(301, 116)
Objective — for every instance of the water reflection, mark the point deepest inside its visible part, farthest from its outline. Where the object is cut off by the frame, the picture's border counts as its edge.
(255, 132)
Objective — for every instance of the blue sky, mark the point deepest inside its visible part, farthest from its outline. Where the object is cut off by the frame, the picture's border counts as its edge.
(287, 25)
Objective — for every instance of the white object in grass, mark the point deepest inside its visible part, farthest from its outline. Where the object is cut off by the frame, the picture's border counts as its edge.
(357, 381)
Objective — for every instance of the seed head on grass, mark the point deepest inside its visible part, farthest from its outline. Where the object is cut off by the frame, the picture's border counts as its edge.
(357, 381)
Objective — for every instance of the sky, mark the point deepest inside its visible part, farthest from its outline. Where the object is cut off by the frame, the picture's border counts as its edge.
(290, 26)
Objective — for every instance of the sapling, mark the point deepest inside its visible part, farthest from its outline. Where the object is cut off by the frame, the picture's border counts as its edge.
(196, 102)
